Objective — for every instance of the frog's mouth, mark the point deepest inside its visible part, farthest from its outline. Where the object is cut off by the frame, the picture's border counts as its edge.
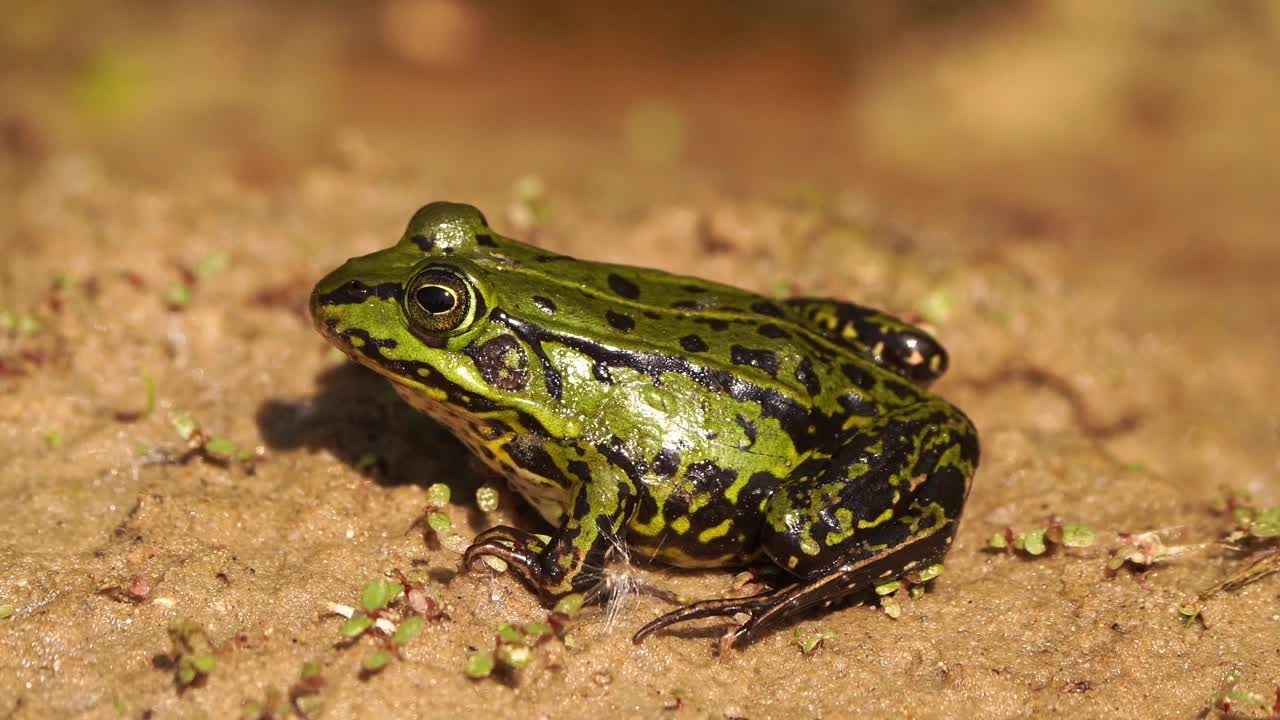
(354, 342)
(328, 330)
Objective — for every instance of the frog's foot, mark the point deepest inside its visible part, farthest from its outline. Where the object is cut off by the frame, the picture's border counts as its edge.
(753, 605)
(773, 606)
(519, 549)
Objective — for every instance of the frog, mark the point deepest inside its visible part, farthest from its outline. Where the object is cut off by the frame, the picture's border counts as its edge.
(665, 418)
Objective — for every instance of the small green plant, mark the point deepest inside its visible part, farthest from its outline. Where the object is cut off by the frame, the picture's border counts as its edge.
(913, 583)
(678, 696)
(479, 665)
(392, 613)
(1252, 525)
(191, 658)
(211, 264)
(1190, 612)
(916, 580)
(303, 698)
(1255, 532)
(487, 498)
(19, 323)
(1038, 541)
(1141, 550)
(937, 306)
(811, 641)
(178, 296)
(1235, 702)
(514, 643)
(215, 449)
(434, 521)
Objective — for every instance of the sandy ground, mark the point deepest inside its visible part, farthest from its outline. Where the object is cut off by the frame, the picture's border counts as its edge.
(1081, 200)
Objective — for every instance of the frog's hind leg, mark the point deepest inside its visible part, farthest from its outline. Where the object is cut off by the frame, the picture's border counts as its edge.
(887, 501)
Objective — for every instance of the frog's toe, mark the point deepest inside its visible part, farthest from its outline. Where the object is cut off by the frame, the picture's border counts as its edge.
(764, 609)
(519, 549)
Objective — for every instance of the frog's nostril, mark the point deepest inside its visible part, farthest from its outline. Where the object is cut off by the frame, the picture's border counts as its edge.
(352, 292)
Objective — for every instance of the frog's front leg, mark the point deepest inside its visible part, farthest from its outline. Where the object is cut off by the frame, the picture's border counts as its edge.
(520, 549)
(574, 559)
(886, 502)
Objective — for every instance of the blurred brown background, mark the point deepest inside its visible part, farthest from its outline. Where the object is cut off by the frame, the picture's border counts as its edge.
(1060, 99)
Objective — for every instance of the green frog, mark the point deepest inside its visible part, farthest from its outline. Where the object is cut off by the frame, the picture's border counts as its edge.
(688, 422)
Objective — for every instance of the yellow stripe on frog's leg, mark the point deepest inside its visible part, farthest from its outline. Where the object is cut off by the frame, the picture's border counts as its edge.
(599, 508)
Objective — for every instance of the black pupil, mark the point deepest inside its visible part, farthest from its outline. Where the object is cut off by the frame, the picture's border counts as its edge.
(436, 299)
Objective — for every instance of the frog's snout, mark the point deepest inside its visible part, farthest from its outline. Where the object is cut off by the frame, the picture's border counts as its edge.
(325, 319)
(318, 319)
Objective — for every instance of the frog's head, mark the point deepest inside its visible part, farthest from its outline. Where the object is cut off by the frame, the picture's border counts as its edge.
(419, 314)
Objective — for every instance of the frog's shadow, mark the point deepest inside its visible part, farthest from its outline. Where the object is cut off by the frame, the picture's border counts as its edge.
(357, 417)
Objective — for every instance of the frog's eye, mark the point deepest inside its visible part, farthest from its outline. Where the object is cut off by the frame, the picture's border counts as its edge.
(440, 301)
